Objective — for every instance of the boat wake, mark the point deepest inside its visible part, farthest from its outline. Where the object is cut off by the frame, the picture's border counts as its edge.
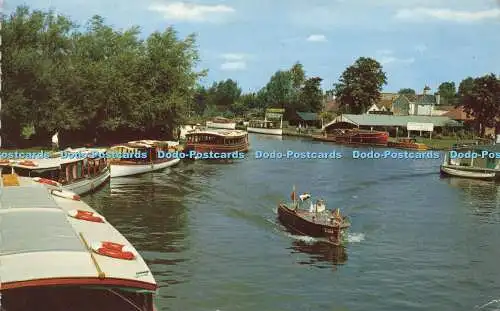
(355, 237)
(351, 238)
(493, 305)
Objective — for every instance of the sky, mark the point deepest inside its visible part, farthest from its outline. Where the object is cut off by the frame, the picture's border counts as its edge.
(418, 42)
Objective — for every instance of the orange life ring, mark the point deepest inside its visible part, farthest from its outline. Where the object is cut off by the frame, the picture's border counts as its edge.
(86, 215)
(47, 181)
(114, 250)
(28, 163)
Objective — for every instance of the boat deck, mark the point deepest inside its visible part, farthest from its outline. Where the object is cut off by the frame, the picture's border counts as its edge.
(322, 218)
(36, 228)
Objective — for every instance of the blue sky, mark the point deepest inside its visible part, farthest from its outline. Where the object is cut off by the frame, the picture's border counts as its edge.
(418, 42)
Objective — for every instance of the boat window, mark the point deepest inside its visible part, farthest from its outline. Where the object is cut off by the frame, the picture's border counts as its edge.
(79, 169)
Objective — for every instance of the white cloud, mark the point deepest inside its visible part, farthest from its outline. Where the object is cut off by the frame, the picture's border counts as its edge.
(423, 14)
(233, 66)
(234, 61)
(392, 60)
(183, 11)
(234, 56)
(317, 38)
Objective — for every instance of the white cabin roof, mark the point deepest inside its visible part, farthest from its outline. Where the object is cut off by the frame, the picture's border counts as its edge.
(40, 242)
(218, 132)
(56, 162)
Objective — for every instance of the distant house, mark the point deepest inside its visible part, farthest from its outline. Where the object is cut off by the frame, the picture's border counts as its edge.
(415, 105)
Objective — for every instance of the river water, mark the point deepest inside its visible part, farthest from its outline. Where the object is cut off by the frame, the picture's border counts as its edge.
(209, 234)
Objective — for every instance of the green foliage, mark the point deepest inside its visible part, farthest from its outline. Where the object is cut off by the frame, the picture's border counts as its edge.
(311, 95)
(448, 93)
(360, 85)
(94, 81)
(407, 92)
(480, 98)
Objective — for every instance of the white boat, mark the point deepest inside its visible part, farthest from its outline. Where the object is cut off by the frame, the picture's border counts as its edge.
(265, 127)
(221, 123)
(185, 129)
(59, 254)
(145, 156)
(478, 162)
(78, 170)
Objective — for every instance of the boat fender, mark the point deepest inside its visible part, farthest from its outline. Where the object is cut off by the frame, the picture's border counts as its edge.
(66, 194)
(47, 181)
(114, 250)
(86, 215)
(28, 163)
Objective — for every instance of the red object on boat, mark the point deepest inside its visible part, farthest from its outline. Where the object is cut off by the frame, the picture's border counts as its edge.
(362, 137)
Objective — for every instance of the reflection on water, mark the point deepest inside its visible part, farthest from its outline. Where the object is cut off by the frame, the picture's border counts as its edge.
(483, 197)
(266, 137)
(320, 252)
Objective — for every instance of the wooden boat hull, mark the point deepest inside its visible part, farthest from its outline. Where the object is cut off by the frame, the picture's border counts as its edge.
(410, 146)
(467, 172)
(323, 138)
(217, 125)
(133, 168)
(372, 138)
(298, 225)
(265, 131)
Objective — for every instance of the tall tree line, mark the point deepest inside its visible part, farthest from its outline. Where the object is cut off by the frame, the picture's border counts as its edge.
(287, 89)
(94, 82)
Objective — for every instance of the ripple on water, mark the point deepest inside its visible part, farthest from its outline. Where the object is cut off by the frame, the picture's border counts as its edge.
(210, 236)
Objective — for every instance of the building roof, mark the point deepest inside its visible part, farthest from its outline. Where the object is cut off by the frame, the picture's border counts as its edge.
(458, 114)
(421, 99)
(308, 116)
(391, 120)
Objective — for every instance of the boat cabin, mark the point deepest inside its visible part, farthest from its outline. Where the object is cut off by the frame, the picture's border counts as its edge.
(264, 124)
(225, 138)
(65, 171)
(487, 157)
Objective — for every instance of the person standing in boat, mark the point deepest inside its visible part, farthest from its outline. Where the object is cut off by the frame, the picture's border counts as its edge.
(55, 142)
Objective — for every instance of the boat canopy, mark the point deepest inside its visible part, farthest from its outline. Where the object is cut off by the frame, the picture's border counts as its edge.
(43, 246)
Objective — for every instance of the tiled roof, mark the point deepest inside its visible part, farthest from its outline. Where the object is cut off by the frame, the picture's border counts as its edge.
(457, 114)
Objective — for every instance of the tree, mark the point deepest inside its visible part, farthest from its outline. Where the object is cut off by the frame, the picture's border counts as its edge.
(311, 95)
(224, 94)
(360, 85)
(279, 89)
(92, 80)
(481, 99)
(448, 93)
(407, 91)
(464, 89)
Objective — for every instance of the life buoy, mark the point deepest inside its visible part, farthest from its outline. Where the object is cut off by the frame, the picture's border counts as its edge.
(86, 215)
(66, 194)
(46, 181)
(114, 250)
(28, 163)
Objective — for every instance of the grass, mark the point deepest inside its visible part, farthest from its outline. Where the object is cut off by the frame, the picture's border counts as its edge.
(445, 143)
